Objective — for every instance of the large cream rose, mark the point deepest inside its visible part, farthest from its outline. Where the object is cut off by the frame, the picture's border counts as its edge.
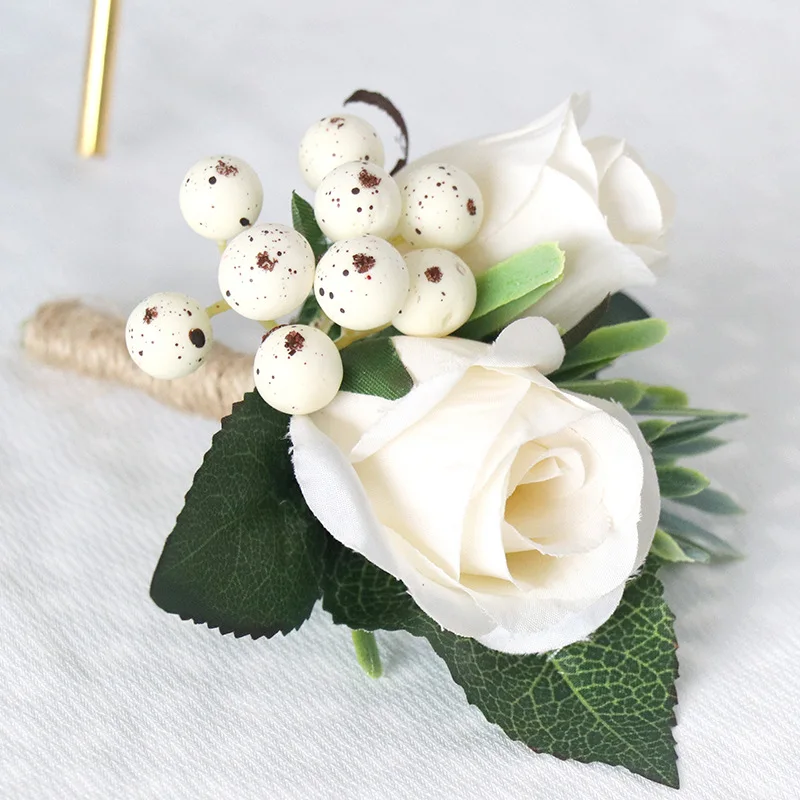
(513, 512)
(542, 183)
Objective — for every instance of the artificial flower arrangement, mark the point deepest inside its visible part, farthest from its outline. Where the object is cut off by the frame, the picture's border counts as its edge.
(430, 445)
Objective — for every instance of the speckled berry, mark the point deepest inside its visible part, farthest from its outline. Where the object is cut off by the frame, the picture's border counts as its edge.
(334, 141)
(220, 196)
(442, 207)
(357, 199)
(266, 271)
(297, 369)
(361, 283)
(442, 294)
(169, 335)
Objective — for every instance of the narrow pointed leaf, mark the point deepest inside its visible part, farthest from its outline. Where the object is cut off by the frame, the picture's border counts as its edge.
(625, 392)
(246, 554)
(693, 447)
(616, 340)
(566, 375)
(712, 501)
(688, 533)
(680, 481)
(658, 397)
(689, 429)
(669, 549)
(653, 428)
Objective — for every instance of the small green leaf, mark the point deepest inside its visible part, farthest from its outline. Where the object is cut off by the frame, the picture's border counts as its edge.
(609, 699)
(653, 428)
(623, 308)
(594, 319)
(626, 392)
(667, 548)
(688, 534)
(246, 554)
(305, 223)
(510, 288)
(563, 375)
(693, 447)
(680, 481)
(680, 432)
(712, 501)
(372, 366)
(658, 397)
(604, 344)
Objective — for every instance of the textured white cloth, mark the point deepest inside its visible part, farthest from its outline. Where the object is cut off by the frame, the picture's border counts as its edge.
(103, 695)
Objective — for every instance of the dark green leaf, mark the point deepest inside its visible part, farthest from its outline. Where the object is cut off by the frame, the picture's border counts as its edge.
(680, 481)
(310, 311)
(623, 308)
(680, 432)
(627, 393)
(305, 223)
(246, 554)
(653, 428)
(687, 533)
(667, 548)
(569, 374)
(694, 447)
(610, 699)
(712, 501)
(607, 344)
(372, 366)
(510, 288)
(592, 320)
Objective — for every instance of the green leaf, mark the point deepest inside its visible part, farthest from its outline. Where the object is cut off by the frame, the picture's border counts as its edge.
(693, 447)
(658, 397)
(305, 223)
(246, 554)
(372, 366)
(653, 428)
(613, 341)
(622, 308)
(594, 319)
(610, 699)
(680, 432)
(688, 534)
(712, 501)
(667, 548)
(510, 288)
(680, 481)
(626, 392)
(310, 311)
(567, 375)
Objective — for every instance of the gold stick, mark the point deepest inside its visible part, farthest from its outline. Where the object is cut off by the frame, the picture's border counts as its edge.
(97, 81)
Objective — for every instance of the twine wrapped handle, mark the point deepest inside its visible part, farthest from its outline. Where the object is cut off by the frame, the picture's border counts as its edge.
(69, 335)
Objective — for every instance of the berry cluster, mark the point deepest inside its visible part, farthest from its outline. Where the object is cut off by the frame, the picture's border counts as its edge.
(390, 262)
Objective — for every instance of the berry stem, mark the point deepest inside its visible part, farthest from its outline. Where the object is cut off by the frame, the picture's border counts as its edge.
(222, 244)
(367, 654)
(348, 337)
(217, 308)
(269, 324)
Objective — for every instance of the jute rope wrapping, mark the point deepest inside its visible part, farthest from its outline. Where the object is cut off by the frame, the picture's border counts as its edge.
(69, 335)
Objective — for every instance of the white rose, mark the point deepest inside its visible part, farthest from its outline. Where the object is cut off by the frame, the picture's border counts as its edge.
(542, 183)
(513, 512)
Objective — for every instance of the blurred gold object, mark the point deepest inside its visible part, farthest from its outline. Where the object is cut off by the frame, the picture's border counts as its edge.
(97, 82)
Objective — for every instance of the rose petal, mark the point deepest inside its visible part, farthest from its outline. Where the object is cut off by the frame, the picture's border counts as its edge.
(630, 203)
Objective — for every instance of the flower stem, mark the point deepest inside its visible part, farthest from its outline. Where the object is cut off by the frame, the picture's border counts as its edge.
(367, 653)
(217, 308)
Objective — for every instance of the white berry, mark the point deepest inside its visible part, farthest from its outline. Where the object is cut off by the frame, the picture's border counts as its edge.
(220, 196)
(266, 271)
(357, 199)
(334, 141)
(297, 369)
(169, 335)
(442, 295)
(442, 207)
(361, 283)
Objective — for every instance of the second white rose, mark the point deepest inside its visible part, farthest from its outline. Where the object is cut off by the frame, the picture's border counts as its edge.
(542, 183)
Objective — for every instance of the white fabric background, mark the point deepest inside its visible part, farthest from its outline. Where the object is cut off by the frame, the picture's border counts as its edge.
(103, 695)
